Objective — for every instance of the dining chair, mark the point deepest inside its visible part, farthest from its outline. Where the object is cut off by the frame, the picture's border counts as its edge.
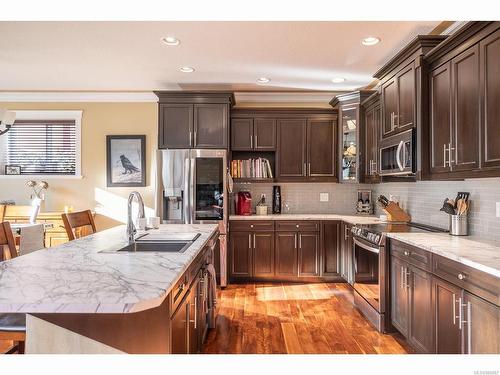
(78, 224)
(12, 325)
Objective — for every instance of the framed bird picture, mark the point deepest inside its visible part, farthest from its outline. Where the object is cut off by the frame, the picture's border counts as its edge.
(126, 160)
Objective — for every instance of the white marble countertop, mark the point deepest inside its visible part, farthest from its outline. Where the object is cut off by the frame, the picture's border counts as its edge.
(483, 256)
(352, 219)
(77, 277)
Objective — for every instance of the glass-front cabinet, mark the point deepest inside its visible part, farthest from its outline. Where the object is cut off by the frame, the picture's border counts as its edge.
(351, 133)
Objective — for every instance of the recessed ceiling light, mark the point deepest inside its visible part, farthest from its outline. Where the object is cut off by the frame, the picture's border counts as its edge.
(171, 41)
(370, 41)
(186, 69)
(338, 80)
(262, 80)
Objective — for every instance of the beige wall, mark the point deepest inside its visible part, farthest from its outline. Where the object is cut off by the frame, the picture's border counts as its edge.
(98, 120)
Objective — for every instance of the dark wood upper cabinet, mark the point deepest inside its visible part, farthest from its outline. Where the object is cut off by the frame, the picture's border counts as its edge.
(440, 117)
(286, 254)
(263, 254)
(448, 335)
(309, 253)
(264, 133)
(464, 155)
(331, 238)
(292, 148)
(321, 140)
(241, 134)
(489, 68)
(481, 327)
(176, 125)
(372, 121)
(193, 119)
(240, 254)
(406, 98)
(389, 105)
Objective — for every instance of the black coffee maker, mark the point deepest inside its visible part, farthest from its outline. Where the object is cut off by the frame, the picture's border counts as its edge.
(276, 199)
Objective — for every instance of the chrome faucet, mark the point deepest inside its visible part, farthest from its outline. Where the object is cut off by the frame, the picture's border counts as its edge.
(131, 231)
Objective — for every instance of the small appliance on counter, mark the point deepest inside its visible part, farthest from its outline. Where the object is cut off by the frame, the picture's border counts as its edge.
(276, 199)
(458, 210)
(261, 208)
(392, 210)
(364, 204)
(244, 203)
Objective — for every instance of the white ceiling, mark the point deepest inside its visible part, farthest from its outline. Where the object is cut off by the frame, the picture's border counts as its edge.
(129, 56)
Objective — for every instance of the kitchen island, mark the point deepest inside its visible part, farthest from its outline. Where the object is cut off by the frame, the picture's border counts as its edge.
(86, 297)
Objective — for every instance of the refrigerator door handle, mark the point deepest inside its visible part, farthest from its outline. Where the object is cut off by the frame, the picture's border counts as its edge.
(192, 176)
(185, 193)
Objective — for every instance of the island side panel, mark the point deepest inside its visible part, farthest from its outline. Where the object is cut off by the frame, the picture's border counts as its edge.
(145, 332)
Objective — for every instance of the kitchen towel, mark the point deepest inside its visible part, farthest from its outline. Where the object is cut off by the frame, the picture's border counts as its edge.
(173, 170)
(31, 238)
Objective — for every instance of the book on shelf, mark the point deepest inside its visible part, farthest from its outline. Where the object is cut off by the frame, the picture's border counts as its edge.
(251, 168)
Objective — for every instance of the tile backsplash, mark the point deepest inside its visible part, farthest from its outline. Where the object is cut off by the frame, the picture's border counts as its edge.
(421, 199)
(304, 198)
(424, 199)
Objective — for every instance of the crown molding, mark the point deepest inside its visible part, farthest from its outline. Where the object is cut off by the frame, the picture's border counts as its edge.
(74, 96)
(285, 97)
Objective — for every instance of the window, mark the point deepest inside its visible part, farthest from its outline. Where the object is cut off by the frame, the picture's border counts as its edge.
(44, 143)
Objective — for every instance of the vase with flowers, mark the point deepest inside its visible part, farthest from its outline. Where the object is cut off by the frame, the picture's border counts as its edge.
(37, 197)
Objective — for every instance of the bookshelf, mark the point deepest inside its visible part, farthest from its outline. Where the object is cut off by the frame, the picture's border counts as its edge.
(255, 166)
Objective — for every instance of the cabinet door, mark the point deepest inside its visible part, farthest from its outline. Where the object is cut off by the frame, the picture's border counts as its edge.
(369, 157)
(210, 125)
(308, 254)
(347, 253)
(421, 314)
(241, 254)
(194, 326)
(481, 326)
(286, 254)
(489, 69)
(292, 147)
(330, 245)
(179, 328)
(321, 142)
(264, 133)
(389, 106)
(399, 295)
(263, 254)
(241, 134)
(448, 336)
(349, 142)
(175, 126)
(465, 134)
(405, 118)
(440, 118)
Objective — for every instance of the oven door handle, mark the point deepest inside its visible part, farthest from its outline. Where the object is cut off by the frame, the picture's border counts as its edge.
(375, 250)
(398, 156)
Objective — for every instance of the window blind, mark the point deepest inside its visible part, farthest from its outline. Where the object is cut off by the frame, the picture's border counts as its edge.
(42, 146)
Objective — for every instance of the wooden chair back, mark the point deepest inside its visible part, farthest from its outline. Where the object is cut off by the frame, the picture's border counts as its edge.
(7, 244)
(2, 211)
(78, 224)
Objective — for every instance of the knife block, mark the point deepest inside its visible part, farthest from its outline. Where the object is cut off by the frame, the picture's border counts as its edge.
(396, 213)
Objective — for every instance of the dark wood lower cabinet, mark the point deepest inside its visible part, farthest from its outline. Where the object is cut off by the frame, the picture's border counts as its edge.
(179, 328)
(330, 244)
(263, 254)
(399, 295)
(309, 253)
(347, 253)
(240, 254)
(286, 254)
(448, 338)
(420, 310)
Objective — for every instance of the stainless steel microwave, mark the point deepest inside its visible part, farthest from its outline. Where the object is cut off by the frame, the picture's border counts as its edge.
(397, 154)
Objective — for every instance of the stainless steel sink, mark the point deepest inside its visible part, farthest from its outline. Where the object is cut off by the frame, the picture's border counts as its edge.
(143, 244)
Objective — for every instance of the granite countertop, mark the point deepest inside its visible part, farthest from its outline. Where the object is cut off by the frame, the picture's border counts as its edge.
(352, 219)
(78, 277)
(481, 255)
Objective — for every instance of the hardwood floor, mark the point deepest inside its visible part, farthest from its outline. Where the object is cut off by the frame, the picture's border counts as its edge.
(295, 318)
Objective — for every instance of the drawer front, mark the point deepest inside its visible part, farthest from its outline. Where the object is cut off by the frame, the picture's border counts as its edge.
(413, 255)
(474, 281)
(251, 225)
(303, 226)
(178, 291)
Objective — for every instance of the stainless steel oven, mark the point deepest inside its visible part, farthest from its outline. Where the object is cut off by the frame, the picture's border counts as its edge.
(397, 154)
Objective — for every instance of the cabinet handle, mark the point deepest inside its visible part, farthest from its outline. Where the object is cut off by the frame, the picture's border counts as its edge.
(295, 240)
(304, 169)
(300, 241)
(195, 312)
(346, 234)
(402, 277)
(460, 313)
(454, 309)
(461, 276)
(392, 121)
(444, 155)
(254, 240)
(251, 225)
(190, 138)
(249, 241)
(251, 141)
(407, 253)
(194, 136)
(256, 141)
(309, 169)
(469, 328)
(407, 278)
(450, 153)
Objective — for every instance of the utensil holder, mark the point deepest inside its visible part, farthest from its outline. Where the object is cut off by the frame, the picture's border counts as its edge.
(459, 225)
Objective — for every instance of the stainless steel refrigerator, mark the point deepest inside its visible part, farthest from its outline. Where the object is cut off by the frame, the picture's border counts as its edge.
(191, 188)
